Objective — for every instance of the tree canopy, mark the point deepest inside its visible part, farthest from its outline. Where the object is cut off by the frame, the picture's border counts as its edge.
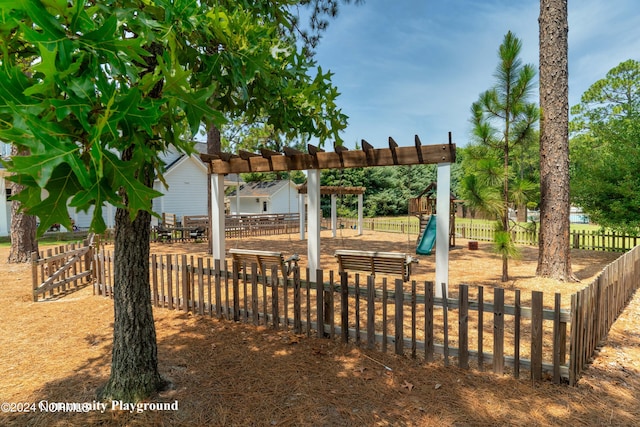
(84, 82)
(605, 149)
(97, 91)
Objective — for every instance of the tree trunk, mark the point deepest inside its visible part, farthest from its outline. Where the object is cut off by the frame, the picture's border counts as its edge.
(23, 226)
(134, 363)
(554, 258)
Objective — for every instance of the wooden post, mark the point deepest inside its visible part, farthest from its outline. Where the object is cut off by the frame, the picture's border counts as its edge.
(480, 328)
(344, 306)
(297, 306)
(498, 331)
(428, 321)
(34, 274)
(371, 312)
(516, 336)
(463, 327)
(320, 303)
(399, 319)
(536, 335)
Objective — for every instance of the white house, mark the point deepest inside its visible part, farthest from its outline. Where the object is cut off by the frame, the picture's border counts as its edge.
(267, 197)
(186, 177)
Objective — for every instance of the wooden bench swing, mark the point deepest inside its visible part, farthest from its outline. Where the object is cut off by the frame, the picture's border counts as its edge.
(264, 259)
(394, 263)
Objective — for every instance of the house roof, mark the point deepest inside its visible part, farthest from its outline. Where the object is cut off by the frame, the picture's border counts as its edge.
(261, 188)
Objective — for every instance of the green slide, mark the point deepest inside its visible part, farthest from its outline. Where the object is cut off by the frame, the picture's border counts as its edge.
(428, 239)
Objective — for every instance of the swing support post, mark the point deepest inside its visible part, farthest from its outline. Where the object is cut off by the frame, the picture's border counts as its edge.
(217, 217)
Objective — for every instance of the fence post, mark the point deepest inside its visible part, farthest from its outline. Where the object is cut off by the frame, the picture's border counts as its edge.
(498, 331)
(344, 306)
(255, 308)
(34, 274)
(428, 321)
(320, 303)
(371, 312)
(297, 306)
(516, 336)
(328, 306)
(236, 291)
(274, 298)
(481, 328)
(399, 319)
(559, 334)
(536, 335)
(463, 327)
(357, 308)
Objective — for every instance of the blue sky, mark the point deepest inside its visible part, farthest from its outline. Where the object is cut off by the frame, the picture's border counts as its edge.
(407, 67)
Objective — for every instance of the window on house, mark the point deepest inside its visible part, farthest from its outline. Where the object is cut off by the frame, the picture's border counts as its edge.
(264, 206)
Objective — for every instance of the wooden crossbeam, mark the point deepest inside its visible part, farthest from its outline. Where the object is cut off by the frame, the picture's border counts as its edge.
(225, 163)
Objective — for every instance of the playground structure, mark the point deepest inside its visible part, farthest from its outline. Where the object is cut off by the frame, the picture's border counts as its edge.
(424, 207)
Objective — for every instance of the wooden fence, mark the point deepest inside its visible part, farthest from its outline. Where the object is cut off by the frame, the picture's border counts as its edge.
(596, 307)
(62, 269)
(242, 226)
(595, 240)
(507, 333)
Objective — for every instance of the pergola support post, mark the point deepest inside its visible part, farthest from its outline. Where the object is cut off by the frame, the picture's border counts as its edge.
(302, 198)
(313, 194)
(443, 204)
(334, 216)
(217, 217)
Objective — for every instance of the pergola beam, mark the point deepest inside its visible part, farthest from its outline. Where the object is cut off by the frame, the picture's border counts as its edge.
(224, 163)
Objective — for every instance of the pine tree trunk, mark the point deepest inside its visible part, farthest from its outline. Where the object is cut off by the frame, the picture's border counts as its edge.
(134, 363)
(23, 226)
(554, 258)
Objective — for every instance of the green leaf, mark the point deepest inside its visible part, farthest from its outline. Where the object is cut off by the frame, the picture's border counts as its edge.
(53, 209)
(105, 32)
(124, 175)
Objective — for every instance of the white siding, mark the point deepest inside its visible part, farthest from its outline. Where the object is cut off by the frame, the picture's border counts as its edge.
(284, 200)
(187, 192)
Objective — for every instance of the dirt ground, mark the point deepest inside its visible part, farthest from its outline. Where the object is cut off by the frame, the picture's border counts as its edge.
(226, 374)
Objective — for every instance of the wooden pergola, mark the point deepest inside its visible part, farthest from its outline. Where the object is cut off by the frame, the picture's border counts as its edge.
(317, 159)
(333, 191)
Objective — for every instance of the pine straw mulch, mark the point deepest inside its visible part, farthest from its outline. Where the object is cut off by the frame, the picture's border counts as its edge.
(225, 373)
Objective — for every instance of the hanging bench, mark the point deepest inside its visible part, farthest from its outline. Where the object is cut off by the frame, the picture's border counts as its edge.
(394, 263)
(264, 259)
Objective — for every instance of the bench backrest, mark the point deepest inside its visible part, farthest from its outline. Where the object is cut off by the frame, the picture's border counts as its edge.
(394, 263)
(264, 259)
